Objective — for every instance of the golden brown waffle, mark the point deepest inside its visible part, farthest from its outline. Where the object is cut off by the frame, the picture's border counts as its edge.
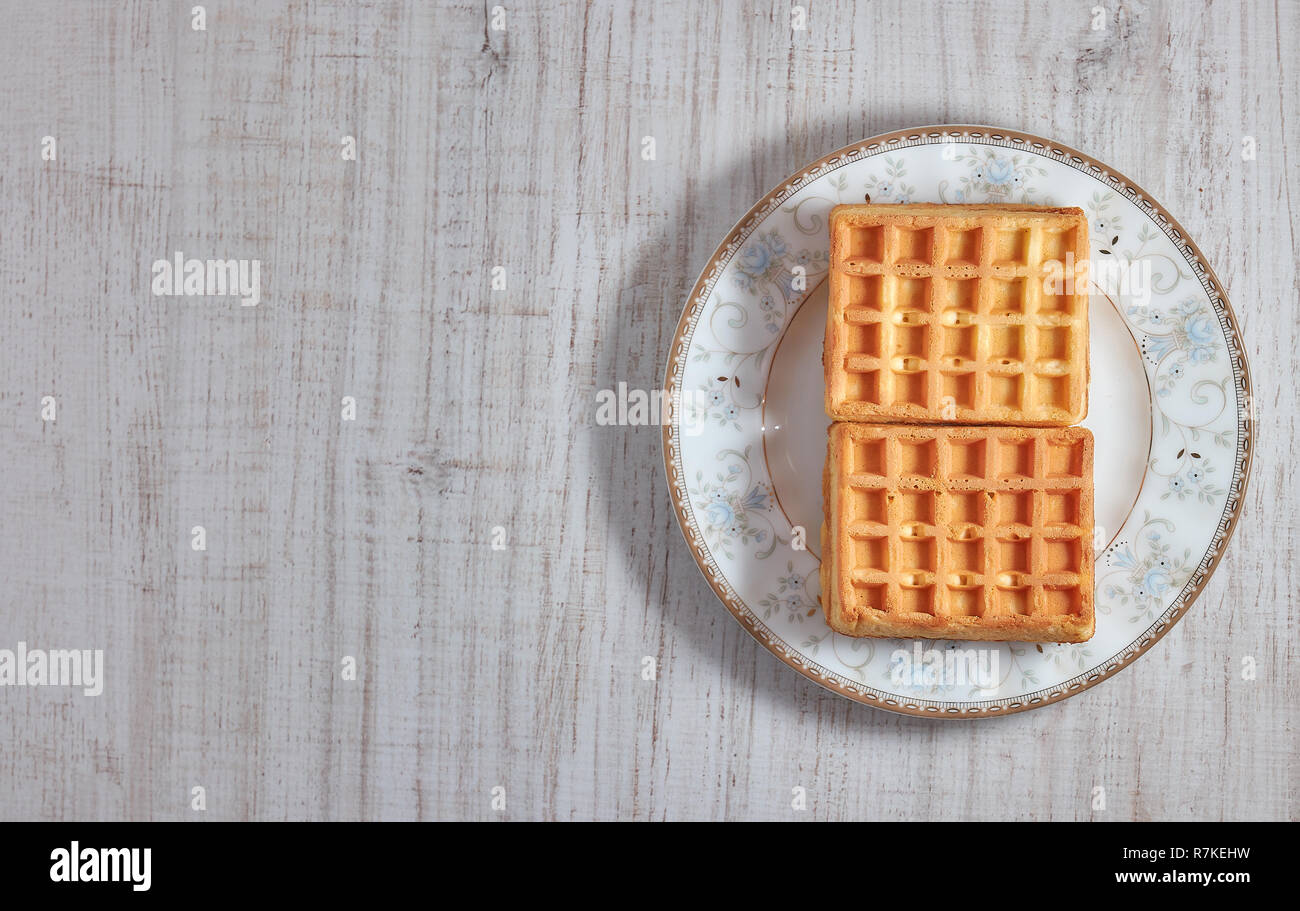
(958, 532)
(947, 314)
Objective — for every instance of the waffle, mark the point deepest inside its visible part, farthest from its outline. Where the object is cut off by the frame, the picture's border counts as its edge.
(944, 314)
(959, 532)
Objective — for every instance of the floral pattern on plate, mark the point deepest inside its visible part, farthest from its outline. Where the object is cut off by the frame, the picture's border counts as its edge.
(1199, 390)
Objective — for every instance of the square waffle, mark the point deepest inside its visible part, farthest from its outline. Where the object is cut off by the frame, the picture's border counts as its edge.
(959, 532)
(950, 314)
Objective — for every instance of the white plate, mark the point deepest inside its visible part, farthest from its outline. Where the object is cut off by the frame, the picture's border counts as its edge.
(1169, 406)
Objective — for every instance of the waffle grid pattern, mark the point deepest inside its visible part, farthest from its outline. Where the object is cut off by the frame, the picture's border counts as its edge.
(951, 318)
(951, 523)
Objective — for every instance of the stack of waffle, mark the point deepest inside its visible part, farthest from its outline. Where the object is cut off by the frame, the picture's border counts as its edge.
(958, 315)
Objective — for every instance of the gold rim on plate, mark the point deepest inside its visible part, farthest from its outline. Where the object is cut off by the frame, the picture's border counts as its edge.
(1062, 154)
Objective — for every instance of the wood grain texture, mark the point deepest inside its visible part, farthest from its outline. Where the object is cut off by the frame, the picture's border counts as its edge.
(520, 148)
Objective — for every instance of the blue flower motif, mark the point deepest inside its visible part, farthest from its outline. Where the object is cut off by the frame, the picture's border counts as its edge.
(1156, 581)
(755, 258)
(731, 412)
(762, 253)
(1200, 338)
(716, 397)
(1200, 331)
(1158, 346)
(1176, 484)
(1195, 475)
(719, 511)
(756, 498)
(1000, 171)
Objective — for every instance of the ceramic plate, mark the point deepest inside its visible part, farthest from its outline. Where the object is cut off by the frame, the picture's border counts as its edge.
(1169, 406)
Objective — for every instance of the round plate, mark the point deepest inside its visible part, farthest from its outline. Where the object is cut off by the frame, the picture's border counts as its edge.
(1169, 406)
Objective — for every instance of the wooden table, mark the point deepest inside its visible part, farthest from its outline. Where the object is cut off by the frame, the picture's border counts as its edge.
(519, 150)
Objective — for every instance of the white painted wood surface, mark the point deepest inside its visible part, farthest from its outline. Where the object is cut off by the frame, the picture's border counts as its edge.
(520, 148)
